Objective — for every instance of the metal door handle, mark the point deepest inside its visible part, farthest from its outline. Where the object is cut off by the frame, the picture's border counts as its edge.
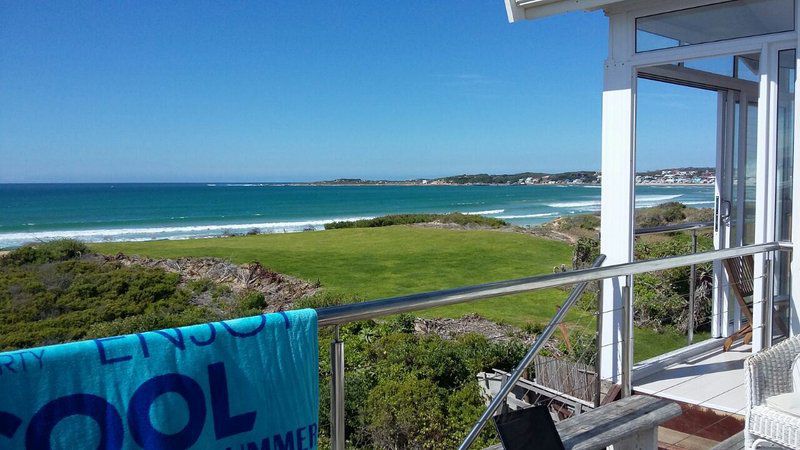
(725, 211)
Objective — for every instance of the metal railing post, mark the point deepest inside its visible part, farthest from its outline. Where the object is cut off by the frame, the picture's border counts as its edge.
(627, 336)
(769, 291)
(337, 391)
(692, 289)
(599, 344)
(508, 384)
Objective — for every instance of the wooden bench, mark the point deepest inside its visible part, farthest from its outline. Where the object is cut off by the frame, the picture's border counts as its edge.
(627, 424)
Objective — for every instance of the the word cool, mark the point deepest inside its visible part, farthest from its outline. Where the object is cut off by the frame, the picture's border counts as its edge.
(144, 433)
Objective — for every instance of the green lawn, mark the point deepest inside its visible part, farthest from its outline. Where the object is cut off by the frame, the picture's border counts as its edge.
(380, 262)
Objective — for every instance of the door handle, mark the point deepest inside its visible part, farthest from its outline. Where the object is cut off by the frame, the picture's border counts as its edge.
(725, 211)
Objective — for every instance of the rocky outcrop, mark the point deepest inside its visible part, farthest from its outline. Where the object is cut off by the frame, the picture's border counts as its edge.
(280, 291)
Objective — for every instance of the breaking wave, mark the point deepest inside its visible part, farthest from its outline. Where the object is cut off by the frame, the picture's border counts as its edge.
(169, 233)
(583, 204)
(485, 213)
(528, 216)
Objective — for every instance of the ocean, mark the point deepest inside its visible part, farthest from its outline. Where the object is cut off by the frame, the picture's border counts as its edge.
(137, 212)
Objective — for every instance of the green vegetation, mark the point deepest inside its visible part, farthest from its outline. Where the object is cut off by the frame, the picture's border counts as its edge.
(660, 298)
(368, 263)
(410, 391)
(52, 293)
(409, 219)
(671, 213)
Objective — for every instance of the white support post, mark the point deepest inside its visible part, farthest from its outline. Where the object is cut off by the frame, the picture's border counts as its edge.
(765, 190)
(616, 237)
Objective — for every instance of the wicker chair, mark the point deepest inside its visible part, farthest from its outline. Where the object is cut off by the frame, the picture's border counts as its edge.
(768, 373)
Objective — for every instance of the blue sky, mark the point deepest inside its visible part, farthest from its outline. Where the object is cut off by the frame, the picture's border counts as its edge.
(280, 91)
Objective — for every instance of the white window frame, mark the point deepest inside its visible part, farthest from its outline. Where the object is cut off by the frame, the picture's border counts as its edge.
(619, 151)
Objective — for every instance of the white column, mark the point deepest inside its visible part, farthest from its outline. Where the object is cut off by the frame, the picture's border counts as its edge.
(765, 189)
(616, 239)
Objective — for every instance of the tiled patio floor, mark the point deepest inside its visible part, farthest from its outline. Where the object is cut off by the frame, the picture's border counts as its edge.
(712, 380)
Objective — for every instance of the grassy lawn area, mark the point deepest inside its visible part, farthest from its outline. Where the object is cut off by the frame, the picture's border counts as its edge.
(372, 263)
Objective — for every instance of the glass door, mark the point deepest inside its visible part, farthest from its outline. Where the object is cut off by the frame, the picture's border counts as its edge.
(736, 193)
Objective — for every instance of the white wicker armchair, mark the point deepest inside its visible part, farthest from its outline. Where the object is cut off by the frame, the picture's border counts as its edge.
(768, 373)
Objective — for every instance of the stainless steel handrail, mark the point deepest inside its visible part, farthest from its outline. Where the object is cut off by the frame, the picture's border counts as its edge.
(341, 314)
(673, 228)
(543, 337)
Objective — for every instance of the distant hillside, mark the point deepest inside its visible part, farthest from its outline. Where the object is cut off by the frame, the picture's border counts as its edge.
(699, 175)
(521, 178)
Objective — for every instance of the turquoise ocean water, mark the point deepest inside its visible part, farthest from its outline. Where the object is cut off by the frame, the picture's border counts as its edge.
(128, 212)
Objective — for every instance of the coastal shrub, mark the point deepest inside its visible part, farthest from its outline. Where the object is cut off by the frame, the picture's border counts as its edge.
(585, 252)
(663, 214)
(660, 298)
(325, 298)
(40, 253)
(671, 213)
(252, 301)
(409, 219)
(405, 413)
(393, 372)
(52, 293)
(582, 221)
(533, 328)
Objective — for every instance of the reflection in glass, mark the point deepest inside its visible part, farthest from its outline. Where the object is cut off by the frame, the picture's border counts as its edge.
(783, 207)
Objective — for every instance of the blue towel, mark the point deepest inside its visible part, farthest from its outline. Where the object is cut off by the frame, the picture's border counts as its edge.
(245, 384)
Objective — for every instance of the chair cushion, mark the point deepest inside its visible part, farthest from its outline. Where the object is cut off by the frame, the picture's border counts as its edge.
(786, 403)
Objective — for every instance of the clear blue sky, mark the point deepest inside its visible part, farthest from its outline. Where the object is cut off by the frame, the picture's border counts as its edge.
(278, 91)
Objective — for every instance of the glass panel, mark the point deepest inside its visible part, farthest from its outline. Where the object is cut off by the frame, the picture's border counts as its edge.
(735, 239)
(711, 23)
(742, 167)
(722, 65)
(786, 78)
(747, 67)
(750, 175)
(783, 208)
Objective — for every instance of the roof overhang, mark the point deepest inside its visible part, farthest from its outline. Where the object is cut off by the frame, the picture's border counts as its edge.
(533, 9)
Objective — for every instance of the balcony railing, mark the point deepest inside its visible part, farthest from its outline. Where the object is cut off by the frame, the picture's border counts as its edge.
(343, 314)
(694, 227)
